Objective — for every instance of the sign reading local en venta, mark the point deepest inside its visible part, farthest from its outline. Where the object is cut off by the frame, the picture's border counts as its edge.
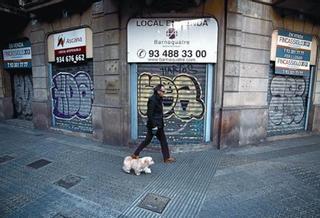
(17, 55)
(70, 47)
(179, 40)
(293, 53)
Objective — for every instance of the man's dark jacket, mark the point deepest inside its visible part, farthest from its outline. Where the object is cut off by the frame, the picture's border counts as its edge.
(155, 112)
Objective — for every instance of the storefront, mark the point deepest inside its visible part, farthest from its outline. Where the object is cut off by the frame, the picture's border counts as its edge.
(17, 62)
(290, 82)
(93, 71)
(170, 51)
(71, 77)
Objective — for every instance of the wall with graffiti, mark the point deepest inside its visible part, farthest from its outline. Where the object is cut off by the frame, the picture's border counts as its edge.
(184, 101)
(287, 104)
(72, 97)
(23, 92)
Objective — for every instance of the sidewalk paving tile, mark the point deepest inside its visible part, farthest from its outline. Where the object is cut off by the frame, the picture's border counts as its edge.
(274, 179)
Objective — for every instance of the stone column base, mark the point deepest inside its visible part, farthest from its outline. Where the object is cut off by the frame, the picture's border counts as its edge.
(242, 126)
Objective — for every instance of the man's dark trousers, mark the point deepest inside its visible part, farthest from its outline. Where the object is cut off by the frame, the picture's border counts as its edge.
(163, 142)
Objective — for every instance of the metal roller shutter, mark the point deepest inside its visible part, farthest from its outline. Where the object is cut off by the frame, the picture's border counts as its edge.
(23, 92)
(287, 100)
(72, 97)
(184, 102)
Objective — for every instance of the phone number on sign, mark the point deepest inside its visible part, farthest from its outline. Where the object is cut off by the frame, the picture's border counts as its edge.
(177, 53)
(70, 58)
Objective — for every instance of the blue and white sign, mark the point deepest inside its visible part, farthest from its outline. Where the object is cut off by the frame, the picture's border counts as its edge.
(293, 53)
(18, 55)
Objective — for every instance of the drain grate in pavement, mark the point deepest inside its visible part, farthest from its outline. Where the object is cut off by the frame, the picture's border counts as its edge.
(154, 202)
(39, 163)
(5, 158)
(68, 181)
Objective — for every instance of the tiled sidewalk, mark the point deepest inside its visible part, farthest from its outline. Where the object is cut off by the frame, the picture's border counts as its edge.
(83, 178)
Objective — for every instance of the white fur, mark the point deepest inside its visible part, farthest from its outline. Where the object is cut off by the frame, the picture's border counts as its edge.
(138, 165)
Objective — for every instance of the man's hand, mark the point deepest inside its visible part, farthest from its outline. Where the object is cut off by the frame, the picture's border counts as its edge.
(154, 130)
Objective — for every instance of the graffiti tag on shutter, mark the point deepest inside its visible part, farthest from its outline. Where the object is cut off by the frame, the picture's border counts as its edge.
(183, 98)
(286, 105)
(23, 92)
(72, 95)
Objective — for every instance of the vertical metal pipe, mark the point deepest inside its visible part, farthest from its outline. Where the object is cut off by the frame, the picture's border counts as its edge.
(208, 101)
(309, 97)
(134, 101)
(50, 85)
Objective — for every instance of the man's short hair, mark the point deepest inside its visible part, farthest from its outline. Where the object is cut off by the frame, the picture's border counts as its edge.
(158, 87)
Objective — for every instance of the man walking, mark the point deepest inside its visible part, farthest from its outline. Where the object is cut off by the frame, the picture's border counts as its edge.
(155, 125)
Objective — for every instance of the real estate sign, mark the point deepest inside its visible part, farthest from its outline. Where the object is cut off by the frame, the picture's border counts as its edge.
(175, 40)
(293, 53)
(17, 55)
(70, 46)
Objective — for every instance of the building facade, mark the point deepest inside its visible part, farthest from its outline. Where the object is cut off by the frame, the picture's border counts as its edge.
(236, 71)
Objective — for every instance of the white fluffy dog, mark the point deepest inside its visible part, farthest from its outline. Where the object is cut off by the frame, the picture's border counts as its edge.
(138, 165)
